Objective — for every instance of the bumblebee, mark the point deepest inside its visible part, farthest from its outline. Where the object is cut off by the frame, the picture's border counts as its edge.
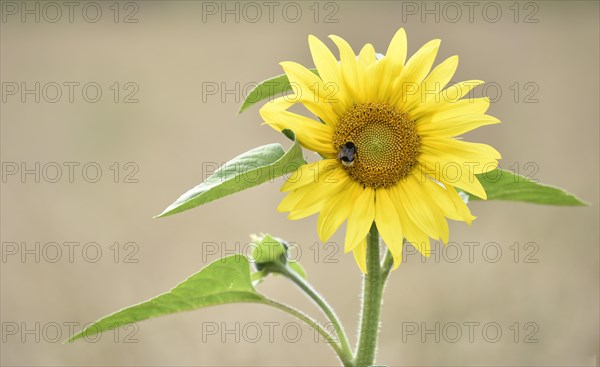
(347, 154)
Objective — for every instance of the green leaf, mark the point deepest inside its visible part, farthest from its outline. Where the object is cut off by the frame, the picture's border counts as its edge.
(505, 185)
(267, 89)
(250, 169)
(226, 280)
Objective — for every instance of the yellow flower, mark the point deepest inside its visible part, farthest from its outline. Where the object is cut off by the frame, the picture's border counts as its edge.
(387, 132)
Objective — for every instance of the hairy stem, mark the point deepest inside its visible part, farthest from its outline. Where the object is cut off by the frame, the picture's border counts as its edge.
(373, 284)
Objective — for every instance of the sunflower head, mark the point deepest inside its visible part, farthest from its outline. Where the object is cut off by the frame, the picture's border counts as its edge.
(388, 130)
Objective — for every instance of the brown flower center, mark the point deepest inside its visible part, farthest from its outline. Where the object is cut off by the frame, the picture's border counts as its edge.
(377, 144)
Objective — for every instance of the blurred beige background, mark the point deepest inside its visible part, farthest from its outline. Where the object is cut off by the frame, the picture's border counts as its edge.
(533, 303)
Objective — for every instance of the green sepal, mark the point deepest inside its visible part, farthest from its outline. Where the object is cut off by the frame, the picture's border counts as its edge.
(269, 250)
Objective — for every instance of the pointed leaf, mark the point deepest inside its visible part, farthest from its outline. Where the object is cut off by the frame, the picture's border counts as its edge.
(505, 185)
(226, 280)
(250, 169)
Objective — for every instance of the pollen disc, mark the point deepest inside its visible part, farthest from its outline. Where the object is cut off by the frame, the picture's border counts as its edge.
(386, 141)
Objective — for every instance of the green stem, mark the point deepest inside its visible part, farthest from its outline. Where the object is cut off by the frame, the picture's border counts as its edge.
(373, 284)
(386, 266)
(331, 340)
(325, 307)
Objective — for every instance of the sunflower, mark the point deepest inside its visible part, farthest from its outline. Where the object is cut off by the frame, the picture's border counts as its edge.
(387, 132)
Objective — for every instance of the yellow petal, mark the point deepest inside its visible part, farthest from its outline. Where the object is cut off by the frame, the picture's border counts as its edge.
(417, 67)
(390, 66)
(306, 211)
(315, 201)
(336, 211)
(348, 65)
(455, 125)
(311, 134)
(327, 185)
(367, 55)
(318, 97)
(449, 106)
(453, 154)
(461, 208)
(455, 92)
(324, 60)
(396, 52)
(291, 200)
(298, 198)
(474, 187)
(431, 88)
(458, 174)
(329, 71)
(414, 235)
(375, 84)
(310, 173)
(360, 219)
(421, 209)
(360, 255)
(366, 85)
(448, 201)
(310, 198)
(388, 223)
(444, 111)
